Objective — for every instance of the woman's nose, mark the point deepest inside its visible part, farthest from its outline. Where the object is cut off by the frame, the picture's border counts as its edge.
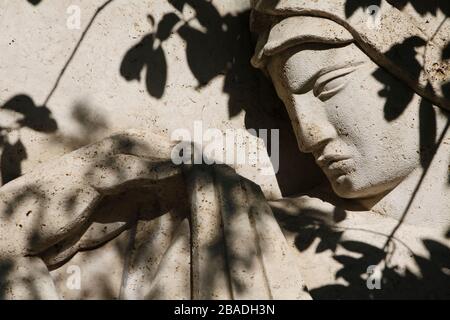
(311, 125)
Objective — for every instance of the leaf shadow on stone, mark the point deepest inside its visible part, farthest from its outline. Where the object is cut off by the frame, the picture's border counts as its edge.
(351, 6)
(122, 205)
(397, 94)
(431, 282)
(144, 55)
(34, 2)
(222, 47)
(36, 118)
(330, 240)
(422, 7)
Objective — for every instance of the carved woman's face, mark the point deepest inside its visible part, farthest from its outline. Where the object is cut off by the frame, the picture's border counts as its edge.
(337, 108)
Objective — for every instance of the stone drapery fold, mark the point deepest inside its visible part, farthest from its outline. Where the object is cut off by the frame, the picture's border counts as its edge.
(230, 246)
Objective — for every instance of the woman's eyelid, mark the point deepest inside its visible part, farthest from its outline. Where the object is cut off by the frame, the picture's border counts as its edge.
(326, 76)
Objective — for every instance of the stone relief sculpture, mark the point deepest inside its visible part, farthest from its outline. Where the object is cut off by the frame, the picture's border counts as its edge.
(219, 224)
(344, 86)
(204, 232)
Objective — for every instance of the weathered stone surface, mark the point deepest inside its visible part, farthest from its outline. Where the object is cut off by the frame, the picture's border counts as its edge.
(94, 206)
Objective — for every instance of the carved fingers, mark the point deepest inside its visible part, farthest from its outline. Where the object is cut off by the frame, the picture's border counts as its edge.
(144, 144)
(121, 171)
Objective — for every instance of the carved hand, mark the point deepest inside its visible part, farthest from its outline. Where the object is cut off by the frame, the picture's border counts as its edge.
(52, 202)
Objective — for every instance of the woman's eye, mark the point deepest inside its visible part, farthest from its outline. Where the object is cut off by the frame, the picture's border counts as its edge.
(330, 83)
(330, 88)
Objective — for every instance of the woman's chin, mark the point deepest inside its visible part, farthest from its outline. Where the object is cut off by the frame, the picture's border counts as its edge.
(347, 186)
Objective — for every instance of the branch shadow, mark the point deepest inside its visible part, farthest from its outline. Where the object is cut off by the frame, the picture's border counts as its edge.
(431, 282)
(222, 47)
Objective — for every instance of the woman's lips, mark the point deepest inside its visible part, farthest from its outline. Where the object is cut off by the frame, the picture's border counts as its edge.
(326, 161)
(336, 165)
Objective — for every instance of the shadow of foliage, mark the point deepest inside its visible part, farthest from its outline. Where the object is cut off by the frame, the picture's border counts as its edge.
(446, 52)
(11, 160)
(446, 86)
(6, 267)
(220, 48)
(144, 55)
(424, 6)
(428, 132)
(421, 6)
(433, 282)
(28, 115)
(213, 52)
(352, 5)
(35, 117)
(404, 53)
(397, 94)
(34, 2)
